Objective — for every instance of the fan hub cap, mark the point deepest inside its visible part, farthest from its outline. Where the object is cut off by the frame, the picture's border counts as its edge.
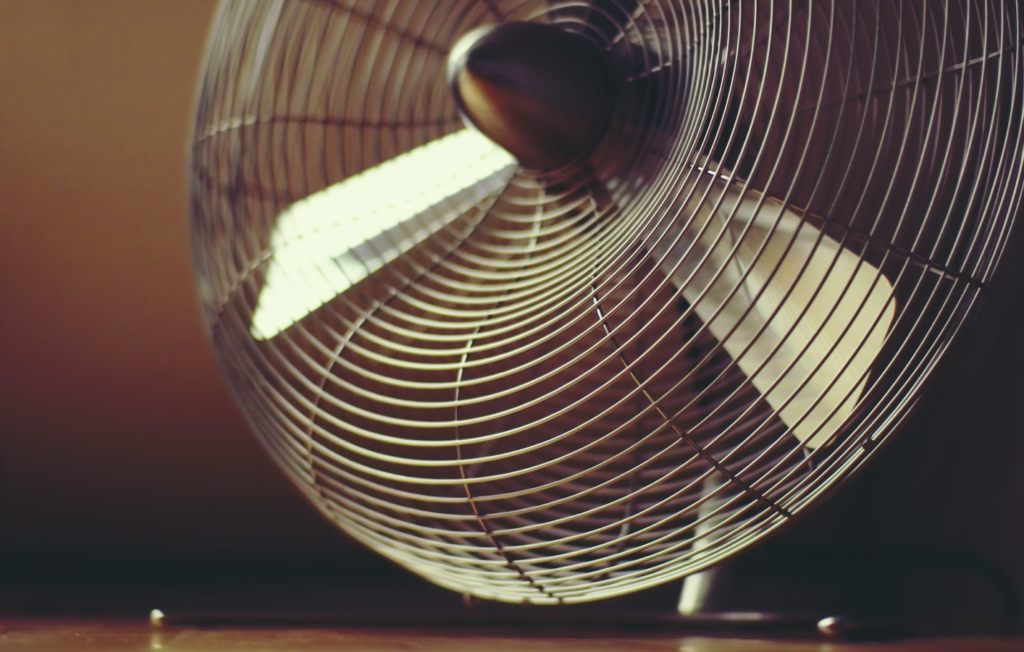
(544, 94)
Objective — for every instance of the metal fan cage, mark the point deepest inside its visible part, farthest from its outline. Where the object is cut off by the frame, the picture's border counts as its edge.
(523, 407)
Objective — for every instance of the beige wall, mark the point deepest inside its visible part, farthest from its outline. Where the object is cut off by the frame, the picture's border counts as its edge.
(116, 432)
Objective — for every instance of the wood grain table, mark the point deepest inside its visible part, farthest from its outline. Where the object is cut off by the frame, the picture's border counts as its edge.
(69, 635)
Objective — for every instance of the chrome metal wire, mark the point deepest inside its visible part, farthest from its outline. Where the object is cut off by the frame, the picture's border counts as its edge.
(523, 406)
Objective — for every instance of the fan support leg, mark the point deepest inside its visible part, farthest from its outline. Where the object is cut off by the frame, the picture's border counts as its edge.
(701, 590)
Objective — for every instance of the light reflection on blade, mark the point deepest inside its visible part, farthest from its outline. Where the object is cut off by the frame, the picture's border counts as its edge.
(820, 316)
(331, 240)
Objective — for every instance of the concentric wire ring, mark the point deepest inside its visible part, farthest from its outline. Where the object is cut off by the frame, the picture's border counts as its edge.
(525, 404)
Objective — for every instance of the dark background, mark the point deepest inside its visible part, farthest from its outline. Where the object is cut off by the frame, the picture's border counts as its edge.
(122, 455)
(118, 435)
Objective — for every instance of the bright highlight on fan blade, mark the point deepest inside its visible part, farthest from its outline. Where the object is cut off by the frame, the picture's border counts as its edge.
(335, 238)
(807, 321)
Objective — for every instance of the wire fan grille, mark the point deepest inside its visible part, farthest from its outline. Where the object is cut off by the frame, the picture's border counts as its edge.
(522, 405)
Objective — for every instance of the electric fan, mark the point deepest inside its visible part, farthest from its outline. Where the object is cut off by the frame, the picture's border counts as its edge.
(552, 301)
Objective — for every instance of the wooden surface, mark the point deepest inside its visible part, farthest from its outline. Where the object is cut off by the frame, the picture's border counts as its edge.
(69, 635)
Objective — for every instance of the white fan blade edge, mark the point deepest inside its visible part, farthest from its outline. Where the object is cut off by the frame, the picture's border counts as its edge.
(818, 323)
(331, 240)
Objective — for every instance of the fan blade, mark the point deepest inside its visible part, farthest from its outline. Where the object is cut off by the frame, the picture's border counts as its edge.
(806, 322)
(331, 240)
